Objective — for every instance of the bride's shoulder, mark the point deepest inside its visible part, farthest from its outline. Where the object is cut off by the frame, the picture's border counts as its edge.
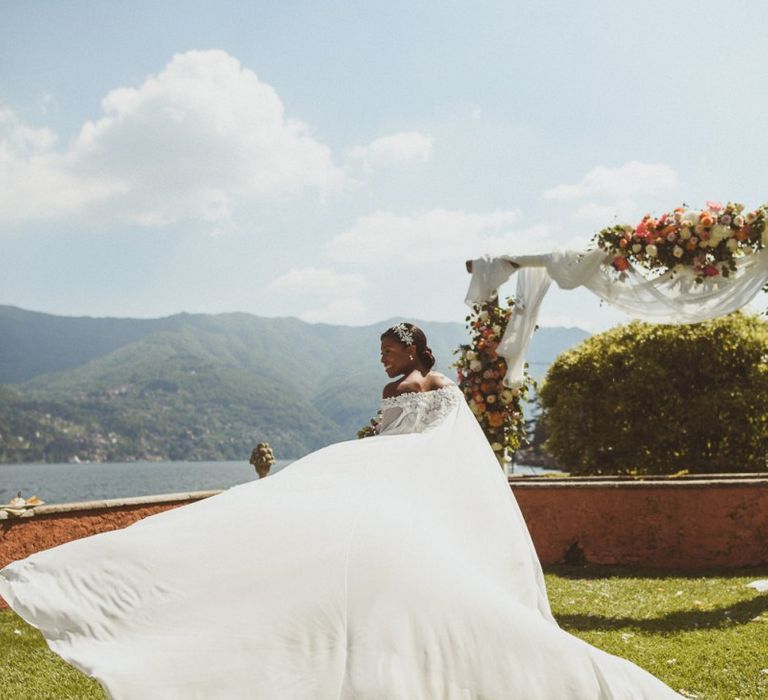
(400, 387)
(436, 380)
(390, 390)
(433, 381)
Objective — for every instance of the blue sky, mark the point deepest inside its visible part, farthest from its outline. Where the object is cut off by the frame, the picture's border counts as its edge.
(339, 161)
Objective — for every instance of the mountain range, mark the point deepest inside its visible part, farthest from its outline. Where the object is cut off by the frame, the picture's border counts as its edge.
(198, 386)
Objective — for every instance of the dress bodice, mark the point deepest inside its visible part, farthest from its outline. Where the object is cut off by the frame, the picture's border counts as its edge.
(417, 412)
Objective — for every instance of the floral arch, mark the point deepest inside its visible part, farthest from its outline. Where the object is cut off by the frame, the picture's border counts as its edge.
(686, 266)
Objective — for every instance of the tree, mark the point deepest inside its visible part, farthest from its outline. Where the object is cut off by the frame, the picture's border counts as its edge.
(642, 399)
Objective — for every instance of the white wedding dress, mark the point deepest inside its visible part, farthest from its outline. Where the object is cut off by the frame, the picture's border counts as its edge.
(395, 567)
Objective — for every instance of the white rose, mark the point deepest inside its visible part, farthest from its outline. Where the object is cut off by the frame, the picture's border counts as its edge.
(738, 220)
(678, 252)
(506, 396)
(685, 234)
(690, 216)
(475, 365)
(491, 398)
(651, 251)
(471, 355)
(732, 244)
(496, 446)
(483, 316)
(718, 233)
(636, 248)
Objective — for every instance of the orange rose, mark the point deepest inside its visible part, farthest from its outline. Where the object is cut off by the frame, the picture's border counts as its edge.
(706, 220)
(495, 419)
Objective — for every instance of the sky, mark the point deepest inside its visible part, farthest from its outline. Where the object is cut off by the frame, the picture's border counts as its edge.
(339, 161)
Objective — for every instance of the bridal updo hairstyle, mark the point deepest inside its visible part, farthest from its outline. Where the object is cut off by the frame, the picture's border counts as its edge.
(419, 341)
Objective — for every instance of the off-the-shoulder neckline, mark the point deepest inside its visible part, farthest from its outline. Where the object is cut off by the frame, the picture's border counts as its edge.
(452, 385)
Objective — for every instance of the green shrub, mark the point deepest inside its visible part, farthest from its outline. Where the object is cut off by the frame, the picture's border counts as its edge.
(642, 399)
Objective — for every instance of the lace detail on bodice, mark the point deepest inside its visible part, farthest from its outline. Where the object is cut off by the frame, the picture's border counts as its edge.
(416, 412)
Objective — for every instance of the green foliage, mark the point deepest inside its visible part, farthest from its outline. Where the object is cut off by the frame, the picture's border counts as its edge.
(661, 399)
(702, 633)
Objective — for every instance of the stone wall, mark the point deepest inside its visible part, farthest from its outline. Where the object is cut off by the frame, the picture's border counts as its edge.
(49, 525)
(667, 523)
(661, 522)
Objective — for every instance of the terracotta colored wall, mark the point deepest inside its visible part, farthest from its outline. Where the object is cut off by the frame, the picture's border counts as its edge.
(675, 526)
(20, 537)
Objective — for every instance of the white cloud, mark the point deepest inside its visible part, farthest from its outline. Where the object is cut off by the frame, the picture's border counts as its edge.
(393, 149)
(436, 235)
(318, 280)
(324, 295)
(188, 144)
(21, 138)
(625, 182)
(340, 311)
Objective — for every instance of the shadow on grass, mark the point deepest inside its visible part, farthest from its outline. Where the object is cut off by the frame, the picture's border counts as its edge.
(596, 571)
(679, 621)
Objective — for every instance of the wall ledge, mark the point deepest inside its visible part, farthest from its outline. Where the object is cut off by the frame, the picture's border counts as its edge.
(663, 481)
(133, 502)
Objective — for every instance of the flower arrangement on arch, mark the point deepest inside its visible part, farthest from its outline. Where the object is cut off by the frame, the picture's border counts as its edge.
(703, 242)
(481, 373)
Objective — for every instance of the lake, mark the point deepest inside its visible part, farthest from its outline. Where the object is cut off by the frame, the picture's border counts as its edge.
(67, 483)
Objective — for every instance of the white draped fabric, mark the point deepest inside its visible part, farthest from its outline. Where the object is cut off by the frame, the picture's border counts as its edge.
(674, 297)
(393, 567)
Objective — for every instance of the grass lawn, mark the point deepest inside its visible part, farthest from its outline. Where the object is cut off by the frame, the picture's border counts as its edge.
(706, 635)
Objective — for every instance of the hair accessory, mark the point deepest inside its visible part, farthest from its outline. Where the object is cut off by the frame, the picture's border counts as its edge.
(402, 332)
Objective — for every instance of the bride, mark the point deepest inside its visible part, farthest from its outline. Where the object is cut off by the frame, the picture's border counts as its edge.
(397, 567)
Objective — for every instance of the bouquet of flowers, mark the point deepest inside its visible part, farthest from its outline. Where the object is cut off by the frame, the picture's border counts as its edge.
(705, 243)
(481, 373)
(370, 430)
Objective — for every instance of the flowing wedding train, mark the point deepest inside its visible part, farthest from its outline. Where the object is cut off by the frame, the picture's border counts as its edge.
(395, 567)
